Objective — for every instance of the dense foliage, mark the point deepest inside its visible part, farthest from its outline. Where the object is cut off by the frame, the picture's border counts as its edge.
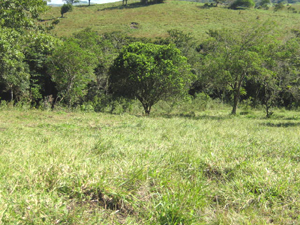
(66, 8)
(255, 65)
(150, 73)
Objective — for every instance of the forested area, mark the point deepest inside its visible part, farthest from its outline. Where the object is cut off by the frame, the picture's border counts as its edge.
(254, 64)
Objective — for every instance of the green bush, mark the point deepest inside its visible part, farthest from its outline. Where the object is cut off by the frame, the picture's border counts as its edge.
(66, 8)
(243, 4)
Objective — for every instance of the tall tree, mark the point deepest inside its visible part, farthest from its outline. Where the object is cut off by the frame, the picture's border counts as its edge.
(14, 72)
(228, 60)
(66, 8)
(71, 68)
(22, 43)
(150, 73)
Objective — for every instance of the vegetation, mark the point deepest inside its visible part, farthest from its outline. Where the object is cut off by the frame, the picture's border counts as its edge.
(189, 17)
(150, 73)
(87, 168)
(75, 70)
(230, 60)
(72, 70)
(190, 162)
(66, 8)
(243, 4)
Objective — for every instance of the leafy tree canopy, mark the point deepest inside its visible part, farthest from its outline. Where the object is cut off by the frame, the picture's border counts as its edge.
(13, 70)
(242, 3)
(228, 60)
(21, 13)
(71, 68)
(150, 73)
(66, 8)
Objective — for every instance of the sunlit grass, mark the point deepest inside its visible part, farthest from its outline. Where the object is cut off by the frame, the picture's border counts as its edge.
(156, 20)
(208, 168)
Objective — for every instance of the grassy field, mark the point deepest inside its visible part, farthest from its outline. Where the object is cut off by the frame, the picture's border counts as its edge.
(156, 20)
(93, 168)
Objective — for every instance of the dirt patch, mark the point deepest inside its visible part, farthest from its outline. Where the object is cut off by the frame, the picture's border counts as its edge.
(218, 174)
(95, 199)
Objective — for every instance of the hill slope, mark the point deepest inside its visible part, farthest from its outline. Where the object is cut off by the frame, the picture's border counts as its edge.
(155, 20)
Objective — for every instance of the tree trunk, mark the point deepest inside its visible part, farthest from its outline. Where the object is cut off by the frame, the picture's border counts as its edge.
(267, 110)
(236, 97)
(89, 2)
(147, 109)
(11, 94)
(235, 102)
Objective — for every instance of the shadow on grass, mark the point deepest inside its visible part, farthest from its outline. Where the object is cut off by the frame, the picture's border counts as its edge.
(85, 6)
(129, 6)
(288, 124)
(291, 118)
(193, 117)
(205, 7)
(46, 20)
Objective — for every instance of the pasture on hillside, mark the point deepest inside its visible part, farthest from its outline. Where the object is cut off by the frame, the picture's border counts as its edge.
(60, 167)
(155, 20)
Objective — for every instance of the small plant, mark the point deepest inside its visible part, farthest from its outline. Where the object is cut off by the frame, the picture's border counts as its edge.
(55, 22)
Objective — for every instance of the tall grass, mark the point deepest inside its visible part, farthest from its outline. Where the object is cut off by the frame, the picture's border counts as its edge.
(93, 168)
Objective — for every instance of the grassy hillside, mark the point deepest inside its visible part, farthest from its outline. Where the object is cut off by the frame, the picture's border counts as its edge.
(88, 168)
(155, 20)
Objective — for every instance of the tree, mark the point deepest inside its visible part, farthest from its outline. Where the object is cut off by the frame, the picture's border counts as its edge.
(265, 4)
(280, 74)
(39, 46)
(66, 8)
(21, 13)
(242, 3)
(13, 70)
(71, 69)
(290, 65)
(278, 6)
(24, 46)
(228, 61)
(149, 73)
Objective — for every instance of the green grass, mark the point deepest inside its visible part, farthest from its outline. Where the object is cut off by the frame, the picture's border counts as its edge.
(93, 168)
(156, 20)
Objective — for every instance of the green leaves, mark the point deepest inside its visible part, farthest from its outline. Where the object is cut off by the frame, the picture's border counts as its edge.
(14, 72)
(149, 73)
(66, 8)
(21, 13)
(231, 60)
(71, 68)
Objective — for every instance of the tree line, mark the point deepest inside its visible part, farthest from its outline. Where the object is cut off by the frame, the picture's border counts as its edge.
(254, 63)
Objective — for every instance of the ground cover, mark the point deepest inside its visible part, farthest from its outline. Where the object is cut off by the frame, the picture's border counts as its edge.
(95, 168)
(155, 20)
